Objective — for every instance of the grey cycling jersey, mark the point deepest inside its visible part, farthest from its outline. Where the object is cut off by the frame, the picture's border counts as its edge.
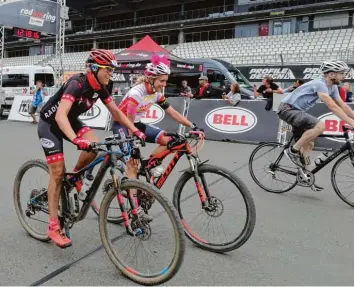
(305, 96)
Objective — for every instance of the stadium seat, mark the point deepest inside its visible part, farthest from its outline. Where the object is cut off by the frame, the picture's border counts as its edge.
(307, 47)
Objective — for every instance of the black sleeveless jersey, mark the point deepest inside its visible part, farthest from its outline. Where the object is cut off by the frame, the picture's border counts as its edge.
(77, 90)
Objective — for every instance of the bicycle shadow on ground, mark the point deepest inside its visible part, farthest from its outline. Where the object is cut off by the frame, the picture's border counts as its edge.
(302, 196)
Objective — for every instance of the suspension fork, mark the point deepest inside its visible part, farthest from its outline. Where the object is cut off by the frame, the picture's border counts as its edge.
(202, 191)
(117, 187)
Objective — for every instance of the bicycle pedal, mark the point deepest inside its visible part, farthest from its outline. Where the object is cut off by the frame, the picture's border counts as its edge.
(67, 234)
(316, 188)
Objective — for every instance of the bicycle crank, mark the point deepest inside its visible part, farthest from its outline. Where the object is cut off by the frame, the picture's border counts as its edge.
(305, 178)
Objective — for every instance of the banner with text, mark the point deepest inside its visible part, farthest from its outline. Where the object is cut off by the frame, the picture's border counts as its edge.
(39, 15)
(287, 73)
(96, 117)
(248, 122)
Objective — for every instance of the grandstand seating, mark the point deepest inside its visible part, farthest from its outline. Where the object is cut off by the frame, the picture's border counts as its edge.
(309, 47)
(295, 48)
(22, 61)
(74, 61)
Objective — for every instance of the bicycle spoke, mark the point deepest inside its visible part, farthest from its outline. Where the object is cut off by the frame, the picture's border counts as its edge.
(280, 177)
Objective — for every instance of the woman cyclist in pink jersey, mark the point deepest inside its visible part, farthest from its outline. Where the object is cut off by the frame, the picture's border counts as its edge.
(139, 99)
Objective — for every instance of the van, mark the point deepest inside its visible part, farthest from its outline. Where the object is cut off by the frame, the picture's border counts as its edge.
(221, 74)
(18, 80)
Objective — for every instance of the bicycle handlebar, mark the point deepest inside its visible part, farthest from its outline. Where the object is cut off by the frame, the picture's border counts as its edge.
(190, 134)
(97, 146)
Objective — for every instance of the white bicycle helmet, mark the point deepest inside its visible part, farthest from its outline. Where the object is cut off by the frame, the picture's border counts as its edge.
(158, 66)
(334, 66)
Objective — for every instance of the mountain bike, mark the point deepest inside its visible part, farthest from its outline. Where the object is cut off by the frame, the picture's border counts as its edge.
(208, 203)
(137, 233)
(292, 175)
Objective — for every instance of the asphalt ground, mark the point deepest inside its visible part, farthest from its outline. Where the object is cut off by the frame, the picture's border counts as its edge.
(300, 238)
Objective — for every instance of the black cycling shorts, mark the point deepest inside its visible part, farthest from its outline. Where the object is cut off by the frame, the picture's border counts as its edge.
(51, 138)
(299, 120)
(154, 134)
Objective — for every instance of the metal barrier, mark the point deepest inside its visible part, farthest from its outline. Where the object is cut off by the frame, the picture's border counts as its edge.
(248, 122)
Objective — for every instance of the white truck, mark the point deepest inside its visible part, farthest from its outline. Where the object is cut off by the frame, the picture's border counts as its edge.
(18, 80)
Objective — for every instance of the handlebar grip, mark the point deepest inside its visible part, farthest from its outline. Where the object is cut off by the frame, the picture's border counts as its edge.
(347, 128)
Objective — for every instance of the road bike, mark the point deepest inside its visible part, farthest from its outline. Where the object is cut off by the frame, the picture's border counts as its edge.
(292, 175)
(208, 203)
(137, 233)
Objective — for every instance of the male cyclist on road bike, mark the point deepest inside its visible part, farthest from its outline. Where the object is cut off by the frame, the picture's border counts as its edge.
(139, 99)
(59, 119)
(306, 128)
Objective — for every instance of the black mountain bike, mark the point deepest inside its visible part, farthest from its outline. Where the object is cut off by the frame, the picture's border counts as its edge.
(137, 234)
(216, 219)
(282, 171)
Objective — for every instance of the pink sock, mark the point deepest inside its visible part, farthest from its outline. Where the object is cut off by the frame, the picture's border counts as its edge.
(53, 221)
(135, 200)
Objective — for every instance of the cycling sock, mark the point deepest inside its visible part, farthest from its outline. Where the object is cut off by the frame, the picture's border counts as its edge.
(294, 150)
(135, 200)
(53, 221)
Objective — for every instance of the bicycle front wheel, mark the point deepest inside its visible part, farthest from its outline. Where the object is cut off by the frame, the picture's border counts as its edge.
(155, 254)
(342, 177)
(271, 176)
(227, 221)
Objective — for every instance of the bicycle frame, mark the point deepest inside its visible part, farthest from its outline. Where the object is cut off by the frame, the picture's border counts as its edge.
(108, 160)
(180, 150)
(70, 178)
(343, 148)
(333, 156)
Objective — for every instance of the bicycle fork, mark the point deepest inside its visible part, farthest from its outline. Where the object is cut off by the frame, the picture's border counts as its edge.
(119, 196)
(201, 185)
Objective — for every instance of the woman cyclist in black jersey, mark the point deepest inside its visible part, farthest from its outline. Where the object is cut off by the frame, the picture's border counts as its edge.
(59, 119)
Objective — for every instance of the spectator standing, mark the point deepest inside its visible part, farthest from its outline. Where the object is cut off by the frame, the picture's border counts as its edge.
(233, 97)
(38, 93)
(267, 89)
(349, 93)
(185, 90)
(342, 93)
(204, 88)
(207, 91)
(296, 84)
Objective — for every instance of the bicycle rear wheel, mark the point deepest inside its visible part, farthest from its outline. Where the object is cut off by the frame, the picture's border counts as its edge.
(238, 225)
(272, 177)
(165, 225)
(342, 177)
(36, 208)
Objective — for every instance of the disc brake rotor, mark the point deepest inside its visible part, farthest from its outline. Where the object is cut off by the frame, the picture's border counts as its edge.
(215, 207)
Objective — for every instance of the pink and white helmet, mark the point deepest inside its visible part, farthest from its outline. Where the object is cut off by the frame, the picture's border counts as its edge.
(158, 66)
